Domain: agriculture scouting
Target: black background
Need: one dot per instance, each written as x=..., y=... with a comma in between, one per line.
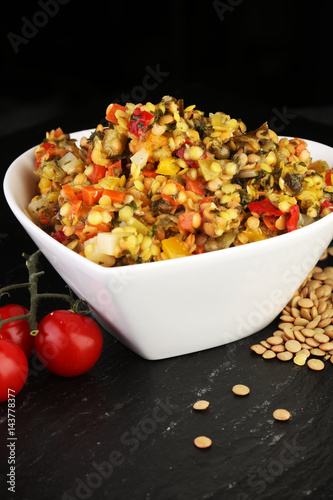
x=251, y=59
x=243, y=57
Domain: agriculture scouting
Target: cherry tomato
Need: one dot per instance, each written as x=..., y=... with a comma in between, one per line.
x=13, y=369
x=68, y=344
x=18, y=331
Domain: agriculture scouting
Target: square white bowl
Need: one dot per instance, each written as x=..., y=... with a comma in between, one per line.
x=170, y=308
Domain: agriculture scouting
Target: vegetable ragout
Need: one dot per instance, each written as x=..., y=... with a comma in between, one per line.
x=163, y=181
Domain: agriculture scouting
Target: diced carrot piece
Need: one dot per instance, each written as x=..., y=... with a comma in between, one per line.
x=185, y=220
x=91, y=194
x=111, y=112
x=69, y=192
x=116, y=196
x=149, y=173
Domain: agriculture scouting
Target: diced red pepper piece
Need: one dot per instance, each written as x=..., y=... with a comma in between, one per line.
x=190, y=163
x=111, y=114
x=291, y=223
x=269, y=221
x=328, y=178
x=326, y=204
x=197, y=186
x=199, y=249
x=98, y=173
x=111, y=168
x=264, y=207
x=139, y=121
x=59, y=236
x=48, y=147
x=91, y=194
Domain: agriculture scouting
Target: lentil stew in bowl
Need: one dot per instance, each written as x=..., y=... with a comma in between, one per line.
x=163, y=181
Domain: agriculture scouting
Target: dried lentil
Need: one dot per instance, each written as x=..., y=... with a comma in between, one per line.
x=269, y=354
x=240, y=390
x=300, y=359
x=284, y=356
x=315, y=364
x=201, y=405
x=293, y=346
x=258, y=349
x=281, y=414
x=202, y=442
x=306, y=327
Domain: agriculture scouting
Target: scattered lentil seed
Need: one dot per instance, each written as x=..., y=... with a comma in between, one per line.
x=315, y=364
x=305, y=351
x=258, y=349
x=202, y=442
x=293, y=346
x=321, y=338
x=284, y=356
x=312, y=342
x=307, y=332
x=327, y=346
x=287, y=318
x=201, y=405
x=281, y=414
x=278, y=348
x=240, y=390
x=299, y=336
x=274, y=340
x=300, y=359
x=305, y=303
x=301, y=321
x=306, y=323
x=316, y=351
x=269, y=354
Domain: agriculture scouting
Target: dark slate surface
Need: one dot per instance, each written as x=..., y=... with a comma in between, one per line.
x=125, y=429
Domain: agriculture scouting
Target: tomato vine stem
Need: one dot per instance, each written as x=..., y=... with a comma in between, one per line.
x=77, y=305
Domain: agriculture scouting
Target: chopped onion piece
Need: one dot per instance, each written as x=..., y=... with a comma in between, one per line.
x=140, y=157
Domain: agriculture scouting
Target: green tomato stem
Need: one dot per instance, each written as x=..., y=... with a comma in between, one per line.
x=32, y=286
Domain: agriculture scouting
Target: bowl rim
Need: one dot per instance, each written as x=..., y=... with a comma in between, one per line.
x=24, y=219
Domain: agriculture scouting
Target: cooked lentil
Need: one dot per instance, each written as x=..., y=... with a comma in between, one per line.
x=162, y=182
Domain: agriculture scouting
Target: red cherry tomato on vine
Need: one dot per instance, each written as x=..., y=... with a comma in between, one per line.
x=13, y=369
x=68, y=344
x=18, y=331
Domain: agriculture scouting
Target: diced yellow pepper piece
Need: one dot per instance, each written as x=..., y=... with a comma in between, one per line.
x=255, y=234
x=168, y=166
x=141, y=228
x=208, y=173
x=173, y=248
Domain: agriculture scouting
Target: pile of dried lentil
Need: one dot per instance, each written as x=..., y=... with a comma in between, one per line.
x=305, y=333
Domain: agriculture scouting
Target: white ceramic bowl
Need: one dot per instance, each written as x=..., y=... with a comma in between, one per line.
x=169, y=308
